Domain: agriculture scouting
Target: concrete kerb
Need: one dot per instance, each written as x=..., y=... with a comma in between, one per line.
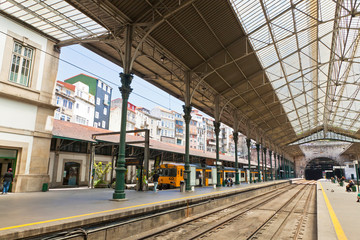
x=106, y=216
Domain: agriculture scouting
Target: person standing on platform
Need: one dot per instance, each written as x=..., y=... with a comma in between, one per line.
x=200, y=179
x=155, y=180
x=8, y=178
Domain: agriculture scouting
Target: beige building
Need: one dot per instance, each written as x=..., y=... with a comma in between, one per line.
x=29, y=63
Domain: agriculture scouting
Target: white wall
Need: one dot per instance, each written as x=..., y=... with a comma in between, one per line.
x=115, y=119
x=15, y=114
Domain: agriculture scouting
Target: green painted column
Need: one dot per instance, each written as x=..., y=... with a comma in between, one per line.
x=264, y=169
x=284, y=167
x=248, y=144
x=279, y=163
x=288, y=168
x=187, y=118
x=237, y=179
x=271, y=168
x=262, y=162
x=120, y=169
x=258, y=158
x=217, y=132
x=275, y=166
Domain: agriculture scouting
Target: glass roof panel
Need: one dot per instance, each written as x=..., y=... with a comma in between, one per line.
x=54, y=17
x=315, y=53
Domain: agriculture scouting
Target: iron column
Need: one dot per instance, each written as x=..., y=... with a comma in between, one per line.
x=120, y=169
x=279, y=167
x=217, y=132
x=237, y=182
x=271, y=168
x=258, y=158
x=357, y=173
x=265, y=164
x=248, y=142
x=187, y=118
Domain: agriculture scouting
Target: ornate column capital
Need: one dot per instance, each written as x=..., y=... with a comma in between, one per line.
x=217, y=127
x=236, y=136
x=187, y=113
x=264, y=149
x=248, y=142
x=125, y=88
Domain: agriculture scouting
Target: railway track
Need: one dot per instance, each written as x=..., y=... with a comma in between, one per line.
x=247, y=219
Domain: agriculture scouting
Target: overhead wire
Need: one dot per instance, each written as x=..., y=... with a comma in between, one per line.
x=94, y=74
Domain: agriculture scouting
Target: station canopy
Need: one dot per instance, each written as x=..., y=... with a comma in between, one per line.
x=288, y=68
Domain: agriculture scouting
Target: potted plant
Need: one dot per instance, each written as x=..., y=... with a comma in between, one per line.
x=101, y=172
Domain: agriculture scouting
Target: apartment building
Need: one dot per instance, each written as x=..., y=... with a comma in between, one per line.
x=167, y=133
x=115, y=115
x=144, y=120
x=102, y=94
x=84, y=105
x=179, y=129
x=65, y=100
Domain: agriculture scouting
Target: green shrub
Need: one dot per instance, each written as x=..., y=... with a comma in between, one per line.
x=101, y=173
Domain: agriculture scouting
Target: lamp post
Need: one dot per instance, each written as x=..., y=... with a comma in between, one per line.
x=357, y=175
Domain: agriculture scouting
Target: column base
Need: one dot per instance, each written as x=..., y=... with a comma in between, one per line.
x=117, y=196
x=30, y=182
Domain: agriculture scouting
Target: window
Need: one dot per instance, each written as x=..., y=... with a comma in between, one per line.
x=65, y=102
x=99, y=84
x=106, y=99
x=105, y=111
x=97, y=101
x=68, y=119
x=62, y=118
x=21, y=64
x=70, y=105
x=88, y=109
x=67, y=92
x=77, y=106
x=104, y=87
x=81, y=120
x=103, y=124
x=96, y=114
x=109, y=90
x=58, y=100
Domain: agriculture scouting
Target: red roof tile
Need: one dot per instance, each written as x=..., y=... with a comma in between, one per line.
x=67, y=85
x=70, y=130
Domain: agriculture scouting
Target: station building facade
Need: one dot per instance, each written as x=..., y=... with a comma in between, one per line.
x=29, y=63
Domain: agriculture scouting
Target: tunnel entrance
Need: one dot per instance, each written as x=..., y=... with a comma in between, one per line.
x=319, y=167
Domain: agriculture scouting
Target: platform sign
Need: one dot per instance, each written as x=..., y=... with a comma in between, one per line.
x=192, y=175
x=214, y=176
x=338, y=167
x=246, y=166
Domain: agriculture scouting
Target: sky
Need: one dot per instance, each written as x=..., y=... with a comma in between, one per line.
x=77, y=59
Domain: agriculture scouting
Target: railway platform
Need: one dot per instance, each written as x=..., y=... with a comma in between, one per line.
x=337, y=212
x=31, y=214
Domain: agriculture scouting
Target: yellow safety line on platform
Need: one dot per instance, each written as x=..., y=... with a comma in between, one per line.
x=338, y=229
x=106, y=211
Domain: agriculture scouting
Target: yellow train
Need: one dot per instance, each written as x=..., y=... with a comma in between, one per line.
x=172, y=174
